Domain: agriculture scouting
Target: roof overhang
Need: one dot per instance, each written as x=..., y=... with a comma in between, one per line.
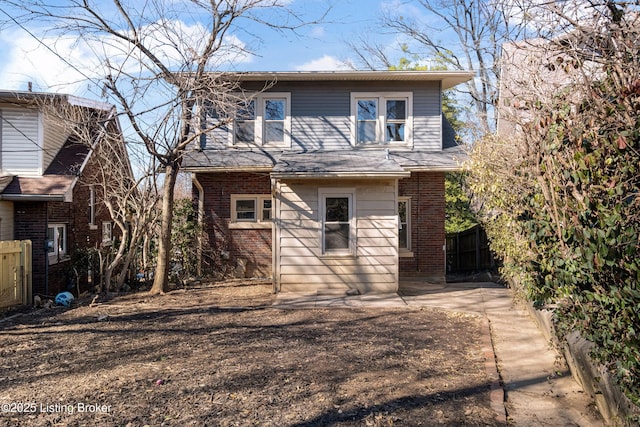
x=340, y=175
x=30, y=97
x=204, y=169
x=34, y=197
x=449, y=79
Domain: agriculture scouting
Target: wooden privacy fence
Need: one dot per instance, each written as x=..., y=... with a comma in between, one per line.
x=15, y=273
x=469, y=251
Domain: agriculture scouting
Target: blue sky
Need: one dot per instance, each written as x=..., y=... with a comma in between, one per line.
x=316, y=47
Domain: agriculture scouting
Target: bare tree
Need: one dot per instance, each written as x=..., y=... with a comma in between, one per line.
x=130, y=201
x=465, y=35
x=160, y=62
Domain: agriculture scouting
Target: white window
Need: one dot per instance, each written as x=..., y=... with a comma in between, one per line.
x=245, y=122
x=107, y=232
x=251, y=208
x=92, y=207
x=381, y=118
x=264, y=120
x=404, y=223
x=337, y=231
x=56, y=242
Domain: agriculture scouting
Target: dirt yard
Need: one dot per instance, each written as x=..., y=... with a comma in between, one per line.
x=219, y=355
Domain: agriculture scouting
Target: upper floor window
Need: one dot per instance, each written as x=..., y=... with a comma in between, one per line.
x=264, y=120
x=245, y=122
x=381, y=118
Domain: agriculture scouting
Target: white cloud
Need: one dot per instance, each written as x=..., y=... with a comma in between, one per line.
x=325, y=63
x=67, y=64
x=317, y=31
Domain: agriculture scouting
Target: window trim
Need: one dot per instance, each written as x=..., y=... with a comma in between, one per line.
x=259, y=221
x=405, y=251
x=323, y=194
x=56, y=256
x=381, y=119
x=260, y=121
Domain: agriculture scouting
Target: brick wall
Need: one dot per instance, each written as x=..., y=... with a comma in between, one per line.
x=427, y=222
x=30, y=223
x=426, y=190
x=252, y=245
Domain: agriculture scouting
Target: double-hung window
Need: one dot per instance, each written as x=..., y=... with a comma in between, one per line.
x=381, y=118
x=56, y=242
x=248, y=208
x=245, y=122
x=337, y=231
x=404, y=224
x=263, y=120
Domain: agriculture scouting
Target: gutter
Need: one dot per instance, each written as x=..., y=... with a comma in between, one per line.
x=353, y=175
x=434, y=168
x=200, y=188
x=33, y=197
x=206, y=169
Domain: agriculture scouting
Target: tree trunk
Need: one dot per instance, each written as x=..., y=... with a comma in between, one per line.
x=133, y=243
x=161, y=277
x=115, y=263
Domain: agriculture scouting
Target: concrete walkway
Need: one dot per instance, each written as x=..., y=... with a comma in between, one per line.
x=537, y=388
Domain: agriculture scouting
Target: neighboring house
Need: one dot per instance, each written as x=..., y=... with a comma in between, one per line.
x=46, y=191
x=331, y=180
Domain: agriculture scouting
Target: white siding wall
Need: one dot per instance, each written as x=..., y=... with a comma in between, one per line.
x=300, y=264
x=21, y=142
x=6, y=220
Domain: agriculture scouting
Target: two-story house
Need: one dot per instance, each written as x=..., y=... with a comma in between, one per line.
x=331, y=180
x=46, y=192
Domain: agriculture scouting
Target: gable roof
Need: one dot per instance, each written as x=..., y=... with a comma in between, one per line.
x=57, y=181
x=61, y=175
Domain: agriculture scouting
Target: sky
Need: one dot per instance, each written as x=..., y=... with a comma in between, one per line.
x=318, y=47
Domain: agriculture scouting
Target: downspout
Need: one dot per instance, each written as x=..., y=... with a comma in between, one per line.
x=198, y=185
x=275, y=236
x=46, y=248
x=397, y=227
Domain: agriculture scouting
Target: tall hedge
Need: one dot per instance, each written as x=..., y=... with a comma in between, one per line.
x=561, y=191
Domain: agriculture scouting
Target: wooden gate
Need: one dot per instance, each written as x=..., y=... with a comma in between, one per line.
x=15, y=273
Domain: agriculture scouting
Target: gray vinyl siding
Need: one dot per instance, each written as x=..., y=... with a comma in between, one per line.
x=21, y=142
x=427, y=120
x=301, y=266
x=320, y=119
x=320, y=113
